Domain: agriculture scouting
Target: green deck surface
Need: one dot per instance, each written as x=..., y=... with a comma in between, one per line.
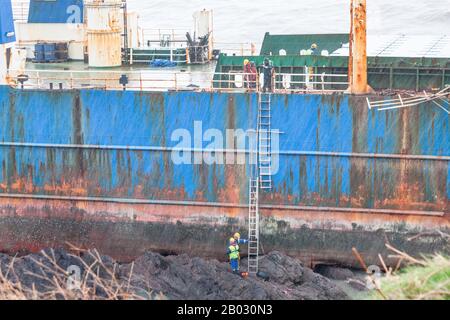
x=293, y=44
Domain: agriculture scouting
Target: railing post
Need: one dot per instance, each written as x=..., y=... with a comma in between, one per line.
x=188, y=59
x=391, y=78
x=258, y=82
x=323, y=81
x=417, y=79
x=443, y=78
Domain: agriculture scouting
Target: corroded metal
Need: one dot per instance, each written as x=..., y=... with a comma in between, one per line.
x=358, y=49
x=348, y=175
x=104, y=33
x=125, y=232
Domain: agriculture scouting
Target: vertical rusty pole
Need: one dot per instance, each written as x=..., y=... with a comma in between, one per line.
x=350, y=43
x=357, y=70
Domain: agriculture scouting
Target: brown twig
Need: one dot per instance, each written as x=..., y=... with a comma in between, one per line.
x=360, y=259
x=430, y=234
x=53, y=281
x=363, y=264
x=386, y=270
x=405, y=255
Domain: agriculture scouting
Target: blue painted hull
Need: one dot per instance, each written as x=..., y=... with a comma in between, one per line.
x=109, y=154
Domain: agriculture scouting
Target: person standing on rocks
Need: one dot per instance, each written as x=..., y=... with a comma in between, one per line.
x=233, y=254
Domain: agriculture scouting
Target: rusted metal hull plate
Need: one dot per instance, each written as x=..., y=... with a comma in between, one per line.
x=109, y=155
x=126, y=231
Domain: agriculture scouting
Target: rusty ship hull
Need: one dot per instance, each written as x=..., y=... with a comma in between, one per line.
x=93, y=169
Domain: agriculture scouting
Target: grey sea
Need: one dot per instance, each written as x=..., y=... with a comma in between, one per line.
x=247, y=21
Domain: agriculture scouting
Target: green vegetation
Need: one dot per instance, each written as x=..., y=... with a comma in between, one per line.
x=426, y=280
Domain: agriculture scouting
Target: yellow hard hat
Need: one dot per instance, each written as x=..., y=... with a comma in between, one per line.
x=314, y=46
x=232, y=241
x=237, y=235
x=246, y=62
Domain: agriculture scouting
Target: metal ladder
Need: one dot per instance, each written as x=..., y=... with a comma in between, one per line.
x=253, y=232
x=261, y=177
x=265, y=141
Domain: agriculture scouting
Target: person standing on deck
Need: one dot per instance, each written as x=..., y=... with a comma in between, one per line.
x=314, y=49
x=247, y=71
x=268, y=71
x=253, y=75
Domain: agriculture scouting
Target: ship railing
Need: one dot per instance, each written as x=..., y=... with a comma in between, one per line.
x=284, y=82
x=238, y=48
x=168, y=37
x=173, y=55
x=176, y=38
x=20, y=10
x=157, y=80
x=311, y=82
x=147, y=80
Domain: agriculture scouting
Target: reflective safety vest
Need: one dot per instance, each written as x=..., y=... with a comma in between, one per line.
x=234, y=252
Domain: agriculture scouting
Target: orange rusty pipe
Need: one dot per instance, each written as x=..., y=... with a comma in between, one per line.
x=358, y=49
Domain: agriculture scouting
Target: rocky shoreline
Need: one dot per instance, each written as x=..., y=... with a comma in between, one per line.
x=46, y=275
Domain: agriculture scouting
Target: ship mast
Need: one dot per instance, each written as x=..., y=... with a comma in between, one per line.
x=357, y=65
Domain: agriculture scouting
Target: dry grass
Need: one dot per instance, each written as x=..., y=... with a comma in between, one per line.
x=425, y=279
x=50, y=282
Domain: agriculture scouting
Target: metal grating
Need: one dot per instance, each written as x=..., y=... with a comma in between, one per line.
x=405, y=46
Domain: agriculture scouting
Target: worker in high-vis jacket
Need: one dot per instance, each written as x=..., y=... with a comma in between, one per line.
x=239, y=240
x=233, y=254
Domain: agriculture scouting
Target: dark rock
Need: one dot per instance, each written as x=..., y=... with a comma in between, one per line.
x=180, y=277
x=318, y=287
x=282, y=269
x=263, y=275
x=335, y=273
x=185, y=278
x=357, y=284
